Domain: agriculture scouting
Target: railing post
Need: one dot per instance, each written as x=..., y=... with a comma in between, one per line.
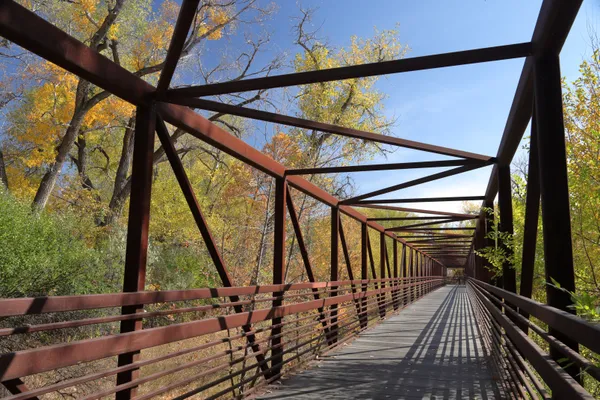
x=554, y=190
x=412, y=275
x=429, y=274
x=278, y=272
x=382, y=251
x=396, y=276
x=419, y=266
x=137, y=233
x=417, y=276
x=404, y=276
x=509, y=278
x=335, y=234
x=425, y=272
x=363, y=273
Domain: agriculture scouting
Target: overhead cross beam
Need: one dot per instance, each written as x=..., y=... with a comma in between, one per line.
x=440, y=239
x=382, y=167
x=443, y=221
x=418, y=218
x=329, y=128
x=419, y=181
x=414, y=210
x=422, y=200
x=402, y=228
x=359, y=71
x=186, y=16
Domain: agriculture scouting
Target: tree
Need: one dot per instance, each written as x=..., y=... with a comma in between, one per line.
x=133, y=35
x=582, y=125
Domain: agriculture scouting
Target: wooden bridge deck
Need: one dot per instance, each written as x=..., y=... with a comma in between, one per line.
x=432, y=349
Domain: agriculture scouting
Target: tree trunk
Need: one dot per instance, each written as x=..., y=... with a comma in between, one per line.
x=49, y=179
x=3, y=176
x=82, y=162
x=82, y=105
x=122, y=186
x=265, y=230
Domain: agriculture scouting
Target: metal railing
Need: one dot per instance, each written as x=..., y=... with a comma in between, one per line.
x=516, y=332
x=68, y=344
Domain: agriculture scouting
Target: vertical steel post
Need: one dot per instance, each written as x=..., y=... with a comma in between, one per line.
x=423, y=273
x=412, y=276
x=554, y=190
x=417, y=276
x=532, y=211
x=278, y=272
x=476, y=246
x=429, y=274
x=364, y=275
x=489, y=242
x=335, y=234
x=419, y=266
x=404, y=276
x=137, y=233
x=509, y=278
x=396, y=276
x=382, y=251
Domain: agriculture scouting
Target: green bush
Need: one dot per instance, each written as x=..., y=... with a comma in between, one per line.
x=41, y=254
x=176, y=267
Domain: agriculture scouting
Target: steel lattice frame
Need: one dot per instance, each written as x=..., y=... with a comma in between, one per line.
x=430, y=253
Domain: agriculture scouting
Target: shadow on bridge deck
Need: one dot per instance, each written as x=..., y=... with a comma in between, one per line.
x=431, y=349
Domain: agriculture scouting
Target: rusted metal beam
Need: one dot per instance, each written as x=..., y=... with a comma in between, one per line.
x=360, y=71
x=17, y=386
x=374, y=276
x=299, y=237
x=442, y=221
x=186, y=16
x=413, y=210
x=364, y=274
x=346, y=253
x=423, y=200
x=435, y=238
x=138, y=223
x=532, y=211
x=554, y=190
x=33, y=361
x=194, y=206
x=382, y=167
x=414, y=182
x=551, y=30
x=561, y=384
x=329, y=128
x=382, y=254
x=433, y=247
x=419, y=218
x=509, y=276
x=37, y=35
x=401, y=228
x=304, y=253
x=278, y=272
x=450, y=251
x=396, y=272
x=334, y=272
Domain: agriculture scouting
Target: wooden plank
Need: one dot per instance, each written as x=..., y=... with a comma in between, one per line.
x=431, y=349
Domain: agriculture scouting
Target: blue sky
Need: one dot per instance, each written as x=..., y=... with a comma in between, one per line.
x=461, y=107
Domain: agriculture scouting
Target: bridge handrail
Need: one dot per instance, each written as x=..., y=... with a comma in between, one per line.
x=321, y=315
x=505, y=317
